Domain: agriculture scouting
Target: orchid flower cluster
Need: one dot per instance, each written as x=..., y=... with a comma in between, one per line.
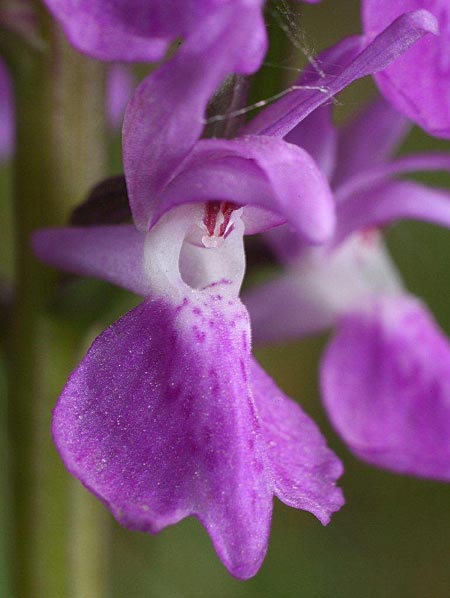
x=169, y=415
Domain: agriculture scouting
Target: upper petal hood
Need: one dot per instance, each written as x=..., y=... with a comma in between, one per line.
x=165, y=116
x=258, y=172
x=385, y=381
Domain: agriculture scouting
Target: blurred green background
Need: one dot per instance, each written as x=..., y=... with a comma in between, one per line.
x=393, y=536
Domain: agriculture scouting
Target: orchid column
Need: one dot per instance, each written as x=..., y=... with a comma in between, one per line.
x=60, y=153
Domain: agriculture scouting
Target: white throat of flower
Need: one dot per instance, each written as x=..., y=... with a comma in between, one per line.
x=179, y=260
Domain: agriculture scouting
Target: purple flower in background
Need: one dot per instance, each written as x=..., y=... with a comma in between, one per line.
x=418, y=83
x=143, y=30
x=168, y=415
x=120, y=85
x=385, y=375
x=6, y=113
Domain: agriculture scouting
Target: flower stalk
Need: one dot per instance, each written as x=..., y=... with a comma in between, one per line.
x=60, y=153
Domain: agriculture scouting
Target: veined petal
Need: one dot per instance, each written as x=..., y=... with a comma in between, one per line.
x=304, y=469
x=318, y=287
x=385, y=381
x=165, y=116
x=114, y=253
x=371, y=138
x=400, y=200
x=7, y=127
x=418, y=82
x=346, y=62
x=158, y=421
x=257, y=172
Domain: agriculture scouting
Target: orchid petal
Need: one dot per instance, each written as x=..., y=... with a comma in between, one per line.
x=120, y=86
x=388, y=203
x=142, y=30
x=318, y=287
x=413, y=163
x=114, y=30
x=256, y=171
x=165, y=116
x=158, y=421
x=317, y=135
x=114, y=253
x=416, y=83
x=346, y=62
x=6, y=113
x=371, y=138
x=304, y=469
x=386, y=385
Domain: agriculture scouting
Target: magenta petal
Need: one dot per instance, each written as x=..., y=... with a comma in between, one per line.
x=6, y=113
x=418, y=82
x=158, y=421
x=114, y=253
x=165, y=116
x=119, y=89
x=304, y=469
x=386, y=385
x=118, y=30
x=286, y=307
x=317, y=135
x=382, y=173
x=257, y=172
x=388, y=203
x=142, y=30
x=372, y=137
x=346, y=62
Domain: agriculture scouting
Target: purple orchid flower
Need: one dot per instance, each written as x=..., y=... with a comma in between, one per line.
x=385, y=376
x=418, y=84
x=168, y=415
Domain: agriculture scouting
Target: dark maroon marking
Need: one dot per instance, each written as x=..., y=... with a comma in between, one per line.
x=212, y=210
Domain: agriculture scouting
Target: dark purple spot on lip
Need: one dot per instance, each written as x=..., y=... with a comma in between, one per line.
x=212, y=323
x=197, y=311
x=259, y=467
x=183, y=304
x=199, y=334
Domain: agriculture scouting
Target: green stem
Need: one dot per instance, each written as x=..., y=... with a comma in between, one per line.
x=60, y=153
